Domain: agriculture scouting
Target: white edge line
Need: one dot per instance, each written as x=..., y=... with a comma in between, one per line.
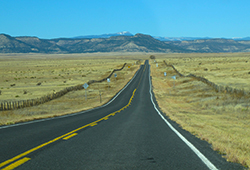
x=190, y=145
x=73, y=114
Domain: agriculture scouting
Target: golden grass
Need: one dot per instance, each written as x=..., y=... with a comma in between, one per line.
x=221, y=119
x=222, y=69
x=20, y=76
x=74, y=69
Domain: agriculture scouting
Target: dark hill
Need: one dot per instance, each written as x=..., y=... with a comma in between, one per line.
x=9, y=44
x=136, y=43
x=42, y=46
x=213, y=45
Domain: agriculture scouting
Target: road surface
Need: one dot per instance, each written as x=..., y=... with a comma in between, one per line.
x=129, y=133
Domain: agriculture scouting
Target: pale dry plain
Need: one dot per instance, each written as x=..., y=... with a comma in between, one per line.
x=219, y=118
x=30, y=76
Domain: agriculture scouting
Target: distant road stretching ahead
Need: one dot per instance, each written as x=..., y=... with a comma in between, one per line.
x=129, y=132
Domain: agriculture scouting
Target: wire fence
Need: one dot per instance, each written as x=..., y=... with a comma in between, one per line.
x=217, y=88
x=10, y=105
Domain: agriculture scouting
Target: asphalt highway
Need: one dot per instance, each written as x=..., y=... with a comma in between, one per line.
x=127, y=133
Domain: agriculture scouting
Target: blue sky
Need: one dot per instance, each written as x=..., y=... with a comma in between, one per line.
x=168, y=18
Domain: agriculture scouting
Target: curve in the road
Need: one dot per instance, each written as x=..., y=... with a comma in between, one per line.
x=190, y=145
x=132, y=139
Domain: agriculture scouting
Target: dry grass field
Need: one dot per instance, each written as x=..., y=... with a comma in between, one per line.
x=30, y=76
x=220, y=118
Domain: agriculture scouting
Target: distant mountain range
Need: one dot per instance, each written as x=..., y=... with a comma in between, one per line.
x=126, y=33
x=197, y=38
x=121, y=42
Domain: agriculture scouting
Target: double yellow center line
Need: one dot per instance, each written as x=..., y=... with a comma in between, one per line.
x=65, y=137
x=20, y=159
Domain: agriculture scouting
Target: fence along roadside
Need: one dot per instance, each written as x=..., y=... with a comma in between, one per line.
x=11, y=105
x=218, y=88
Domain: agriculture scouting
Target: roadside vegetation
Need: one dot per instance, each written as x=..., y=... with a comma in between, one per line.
x=221, y=118
x=33, y=76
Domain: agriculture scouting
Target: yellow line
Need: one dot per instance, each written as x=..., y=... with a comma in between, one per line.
x=70, y=136
x=93, y=124
x=144, y=68
x=16, y=164
x=63, y=136
x=106, y=117
x=140, y=78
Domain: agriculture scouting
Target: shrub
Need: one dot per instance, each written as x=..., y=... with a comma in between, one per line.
x=152, y=57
